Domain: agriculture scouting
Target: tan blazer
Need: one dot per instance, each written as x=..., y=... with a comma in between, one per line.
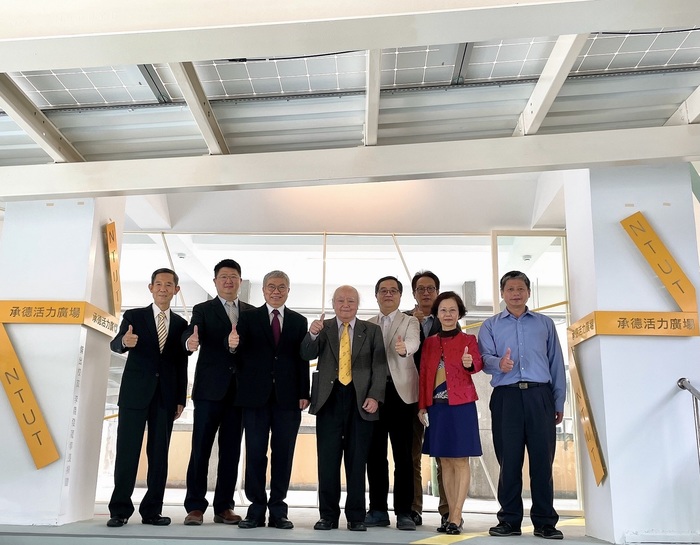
x=402, y=369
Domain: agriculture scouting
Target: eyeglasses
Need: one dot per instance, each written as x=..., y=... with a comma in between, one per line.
x=227, y=277
x=390, y=291
x=423, y=289
x=272, y=288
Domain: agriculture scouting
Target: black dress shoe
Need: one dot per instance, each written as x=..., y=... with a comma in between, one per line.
x=326, y=524
x=251, y=523
x=417, y=518
x=443, y=524
x=357, y=526
x=548, y=532
x=283, y=523
x=505, y=529
x=158, y=520
x=453, y=530
x=405, y=522
x=117, y=522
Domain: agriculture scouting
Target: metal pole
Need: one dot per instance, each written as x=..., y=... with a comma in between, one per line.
x=684, y=384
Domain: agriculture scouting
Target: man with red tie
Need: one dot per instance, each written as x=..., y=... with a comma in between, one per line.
x=273, y=390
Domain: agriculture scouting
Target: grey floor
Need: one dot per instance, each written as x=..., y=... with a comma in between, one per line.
x=95, y=531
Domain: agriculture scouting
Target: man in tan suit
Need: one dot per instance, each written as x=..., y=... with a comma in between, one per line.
x=401, y=336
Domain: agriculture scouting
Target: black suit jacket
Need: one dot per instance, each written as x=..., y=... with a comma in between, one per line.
x=146, y=366
x=215, y=364
x=369, y=367
x=262, y=366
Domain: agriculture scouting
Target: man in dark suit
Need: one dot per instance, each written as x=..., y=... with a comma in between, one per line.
x=154, y=391
x=426, y=287
x=273, y=389
x=347, y=388
x=213, y=394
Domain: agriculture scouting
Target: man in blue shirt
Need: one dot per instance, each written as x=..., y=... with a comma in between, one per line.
x=521, y=352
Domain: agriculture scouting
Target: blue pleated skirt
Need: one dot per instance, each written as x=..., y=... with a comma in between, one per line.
x=453, y=431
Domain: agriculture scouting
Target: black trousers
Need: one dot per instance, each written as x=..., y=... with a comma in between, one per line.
x=396, y=424
x=130, y=430
x=211, y=417
x=277, y=427
x=524, y=419
x=342, y=434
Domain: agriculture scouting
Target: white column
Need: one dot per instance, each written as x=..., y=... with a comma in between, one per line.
x=644, y=422
x=56, y=251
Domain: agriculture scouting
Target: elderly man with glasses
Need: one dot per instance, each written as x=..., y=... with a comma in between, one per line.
x=273, y=390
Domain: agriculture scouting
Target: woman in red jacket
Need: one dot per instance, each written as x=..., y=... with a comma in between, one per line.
x=447, y=402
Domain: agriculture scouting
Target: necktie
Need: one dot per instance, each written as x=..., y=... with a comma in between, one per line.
x=345, y=357
x=231, y=312
x=427, y=324
x=386, y=325
x=276, y=329
x=162, y=332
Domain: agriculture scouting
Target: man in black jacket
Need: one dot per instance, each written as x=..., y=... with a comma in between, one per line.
x=213, y=394
x=273, y=390
x=153, y=390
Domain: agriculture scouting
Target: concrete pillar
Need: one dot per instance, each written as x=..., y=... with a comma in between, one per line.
x=56, y=251
x=645, y=423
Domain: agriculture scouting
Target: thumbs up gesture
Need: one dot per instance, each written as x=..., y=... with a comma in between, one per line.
x=130, y=339
x=506, y=364
x=467, y=359
x=233, y=338
x=193, y=341
x=317, y=325
x=400, y=346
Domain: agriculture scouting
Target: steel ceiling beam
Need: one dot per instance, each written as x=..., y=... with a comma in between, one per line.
x=354, y=165
x=32, y=121
x=373, y=85
x=688, y=111
x=193, y=92
x=565, y=52
x=56, y=35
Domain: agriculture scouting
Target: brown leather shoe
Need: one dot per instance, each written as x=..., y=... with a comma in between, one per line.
x=194, y=518
x=227, y=517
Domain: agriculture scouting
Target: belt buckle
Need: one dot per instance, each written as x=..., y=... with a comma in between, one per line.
x=523, y=385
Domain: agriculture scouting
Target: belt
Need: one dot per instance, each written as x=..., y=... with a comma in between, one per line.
x=526, y=385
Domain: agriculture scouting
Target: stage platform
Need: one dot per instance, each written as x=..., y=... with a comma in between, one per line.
x=479, y=515
x=95, y=532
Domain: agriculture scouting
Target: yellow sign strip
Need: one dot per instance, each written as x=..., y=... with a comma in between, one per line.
x=589, y=432
x=634, y=323
x=42, y=312
x=19, y=392
x=58, y=312
x=661, y=261
x=100, y=320
x=113, y=263
x=29, y=417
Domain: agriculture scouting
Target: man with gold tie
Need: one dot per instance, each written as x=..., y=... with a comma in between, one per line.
x=346, y=391
x=153, y=392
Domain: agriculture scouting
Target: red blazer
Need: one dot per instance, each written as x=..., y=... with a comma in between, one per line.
x=460, y=387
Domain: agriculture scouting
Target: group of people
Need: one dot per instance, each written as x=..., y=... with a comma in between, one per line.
x=403, y=378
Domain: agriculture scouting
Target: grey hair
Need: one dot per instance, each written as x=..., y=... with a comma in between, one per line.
x=276, y=274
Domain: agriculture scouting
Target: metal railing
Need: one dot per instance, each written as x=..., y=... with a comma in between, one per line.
x=684, y=384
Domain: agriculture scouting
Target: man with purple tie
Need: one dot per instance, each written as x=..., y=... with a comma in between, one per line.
x=273, y=390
